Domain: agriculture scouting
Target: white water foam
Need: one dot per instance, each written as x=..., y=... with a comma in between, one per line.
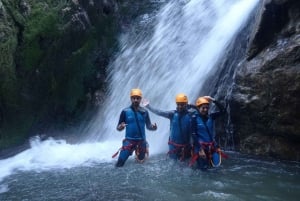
x=219, y=195
x=58, y=154
x=52, y=154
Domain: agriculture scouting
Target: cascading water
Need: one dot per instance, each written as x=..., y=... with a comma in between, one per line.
x=188, y=39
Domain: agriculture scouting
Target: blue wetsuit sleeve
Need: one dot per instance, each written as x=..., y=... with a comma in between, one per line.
x=148, y=122
x=166, y=114
x=221, y=111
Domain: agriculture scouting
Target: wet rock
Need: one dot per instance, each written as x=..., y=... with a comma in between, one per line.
x=265, y=98
x=273, y=17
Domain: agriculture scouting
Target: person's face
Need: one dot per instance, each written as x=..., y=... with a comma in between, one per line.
x=136, y=100
x=203, y=109
x=181, y=107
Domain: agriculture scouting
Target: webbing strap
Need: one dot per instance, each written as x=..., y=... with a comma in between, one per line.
x=193, y=159
x=177, y=145
x=128, y=147
x=178, y=148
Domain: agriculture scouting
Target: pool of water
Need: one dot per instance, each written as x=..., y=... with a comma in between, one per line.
x=239, y=178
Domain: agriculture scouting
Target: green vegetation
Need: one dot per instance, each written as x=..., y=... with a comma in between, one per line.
x=47, y=65
x=41, y=27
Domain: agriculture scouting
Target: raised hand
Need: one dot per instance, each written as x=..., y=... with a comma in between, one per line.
x=145, y=102
x=154, y=126
x=209, y=98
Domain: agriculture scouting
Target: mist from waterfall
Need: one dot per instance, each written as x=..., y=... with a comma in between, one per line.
x=187, y=39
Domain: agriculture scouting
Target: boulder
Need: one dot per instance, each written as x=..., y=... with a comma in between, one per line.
x=265, y=97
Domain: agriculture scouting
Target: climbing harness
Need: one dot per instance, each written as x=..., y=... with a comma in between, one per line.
x=181, y=150
x=136, y=146
x=209, y=150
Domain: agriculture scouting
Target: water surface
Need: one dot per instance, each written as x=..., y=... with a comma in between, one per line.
x=240, y=178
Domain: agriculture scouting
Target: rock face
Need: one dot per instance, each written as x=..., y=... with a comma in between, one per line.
x=265, y=97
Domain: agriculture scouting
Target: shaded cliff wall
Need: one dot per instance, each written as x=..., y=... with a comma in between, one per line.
x=266, y=92
x=53, y=57
x=259, y=83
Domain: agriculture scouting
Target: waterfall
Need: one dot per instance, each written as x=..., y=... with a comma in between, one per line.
x=183, y=44
x=188, y=39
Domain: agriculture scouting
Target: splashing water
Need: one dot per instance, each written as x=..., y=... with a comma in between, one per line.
x=188, y=39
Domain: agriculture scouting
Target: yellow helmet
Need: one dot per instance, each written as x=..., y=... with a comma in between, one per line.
x=136, y=92
x=181, y=98
x=201, y=101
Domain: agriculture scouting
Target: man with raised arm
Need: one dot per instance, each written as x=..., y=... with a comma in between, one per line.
x=206, y=152
x=180, y=127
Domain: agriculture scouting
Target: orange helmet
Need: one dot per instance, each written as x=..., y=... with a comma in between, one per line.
x=181, y=98
x=201, y=101
x=136, y=92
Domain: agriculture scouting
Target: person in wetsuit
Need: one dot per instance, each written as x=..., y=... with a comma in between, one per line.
x=134, y=119
x=180, y=127
x=206, y=152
